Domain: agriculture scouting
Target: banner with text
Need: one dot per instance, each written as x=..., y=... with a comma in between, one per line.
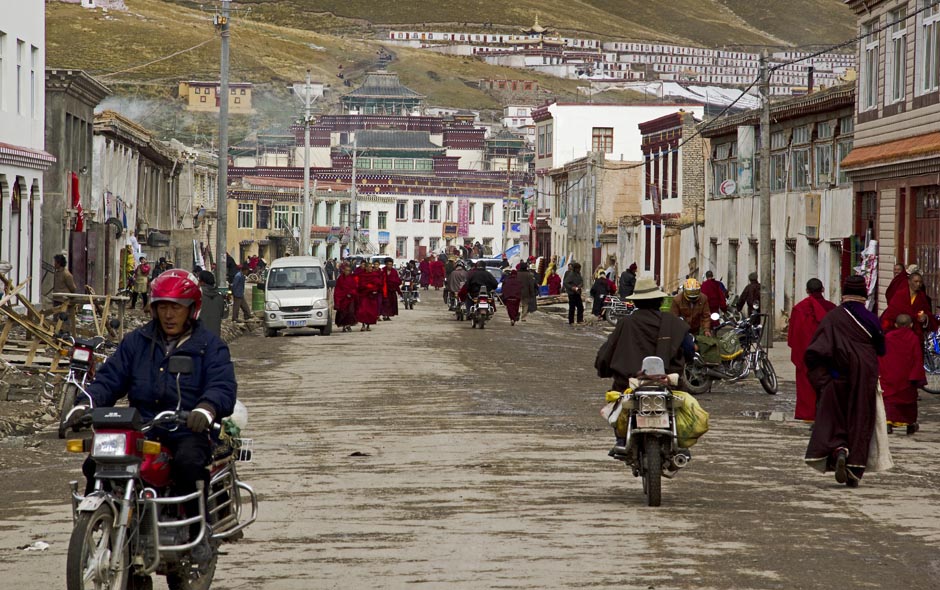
x=463, y=217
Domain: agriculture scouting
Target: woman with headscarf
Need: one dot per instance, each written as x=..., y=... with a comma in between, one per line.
x=512, y=295
x=391, y=289
x=370, y=292
x=345, y=296
x=599, y=290
x=141, y=283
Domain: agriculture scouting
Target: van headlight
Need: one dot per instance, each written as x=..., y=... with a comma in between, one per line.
x=320, y=304
x=109, y=444
x=271, y=306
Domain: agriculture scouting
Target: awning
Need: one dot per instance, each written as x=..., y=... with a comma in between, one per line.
x=246, y=242
x=909, y=148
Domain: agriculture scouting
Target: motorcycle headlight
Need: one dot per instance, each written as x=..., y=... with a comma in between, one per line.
x=320, y=304
x=651, y=403
x=110, y=444
x=81, y=355
x=271, y=306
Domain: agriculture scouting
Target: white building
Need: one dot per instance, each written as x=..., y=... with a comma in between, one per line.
x=22, y=129
x=517, y=116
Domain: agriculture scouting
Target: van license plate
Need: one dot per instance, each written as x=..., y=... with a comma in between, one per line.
x=661, y=421
x=296, y=323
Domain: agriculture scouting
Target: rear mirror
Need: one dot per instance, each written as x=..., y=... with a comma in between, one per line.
x=715, y=317
x=114, y=323
x=180, y=365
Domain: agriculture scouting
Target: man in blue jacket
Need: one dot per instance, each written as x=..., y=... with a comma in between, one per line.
x=139, y=369
x=238, y=295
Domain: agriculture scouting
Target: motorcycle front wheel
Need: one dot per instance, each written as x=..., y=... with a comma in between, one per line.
x=88, y=561
x=612, y=318
x=769, y=379
x=191, y=576
x=652, y=462
x=932, y=368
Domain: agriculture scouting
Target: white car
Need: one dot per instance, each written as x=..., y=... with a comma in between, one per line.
x=296, y=296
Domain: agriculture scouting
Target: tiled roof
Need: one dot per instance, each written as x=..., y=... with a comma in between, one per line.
x=395, y=140
x=893, y=151
x=383, y=85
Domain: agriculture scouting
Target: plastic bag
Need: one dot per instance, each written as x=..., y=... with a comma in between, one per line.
x=691, y=419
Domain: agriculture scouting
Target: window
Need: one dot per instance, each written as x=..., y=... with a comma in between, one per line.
x=548, y=140
x=382, y=163
x=895, y=62
x=472, y=212
x=800, y=168
x=20, y=52
x=344, y=219
x=238, y=101
x=364, y=218
x=541, y=141
x=868, y=85
x=3, y=42
x=449, y=208
x=243, y=92
x=778, y=172
x=33, y=92
x=778, y=140
x=433, y=244
x=401, y=246
x=823, y=166
x=264, y=216
x=842, y=150
x=296, y=213
x=363, y=163
x=233, y=92
x=424, y=164
x=928, y=47
x=824, y=130
x=401, y=211
x=488, y=246
x=801, y=134
x=329, y=214
x=281, y=214
x=404, y=164
x=417, y=211
x=488, y=213
x=202, y=99
x=602, y=139
x=246, y=216
x=846, y=125
x=434, y=211
x=383, y=220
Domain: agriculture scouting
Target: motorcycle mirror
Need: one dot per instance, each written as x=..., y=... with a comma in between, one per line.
x=715, y=317
x=756, y=305
x=180, y=365
x=115, y=323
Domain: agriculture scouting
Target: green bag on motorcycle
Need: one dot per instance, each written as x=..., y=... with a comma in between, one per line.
x=691, y=419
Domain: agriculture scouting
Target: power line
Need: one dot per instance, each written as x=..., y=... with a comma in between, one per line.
x=159, y=59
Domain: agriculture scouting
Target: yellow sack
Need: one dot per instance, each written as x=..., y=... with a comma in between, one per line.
x=691, y=419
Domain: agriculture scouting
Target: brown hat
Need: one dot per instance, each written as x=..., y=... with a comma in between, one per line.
x=646, y=288
x=855, y=286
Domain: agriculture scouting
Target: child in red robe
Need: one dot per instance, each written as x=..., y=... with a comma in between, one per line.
x=902, y=372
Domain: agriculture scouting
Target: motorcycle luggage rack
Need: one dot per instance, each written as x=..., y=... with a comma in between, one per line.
x=225, y=493
x=243, y=448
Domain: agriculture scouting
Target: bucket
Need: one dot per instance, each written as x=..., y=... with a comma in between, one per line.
x=543, y=290
x=257, y=299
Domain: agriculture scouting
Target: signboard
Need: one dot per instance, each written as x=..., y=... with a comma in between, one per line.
x=727, y=187
x=657, y=202
x=811, y=203
x=463, y=217
x=745, y=169
x=449, y=231
x=383, y=237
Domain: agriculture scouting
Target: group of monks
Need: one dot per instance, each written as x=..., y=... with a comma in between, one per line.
x=365, y=293
x=905, y=323
x=433, y=272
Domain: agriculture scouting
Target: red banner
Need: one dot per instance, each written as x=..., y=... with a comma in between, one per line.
x=77, y=205
x=463, y=217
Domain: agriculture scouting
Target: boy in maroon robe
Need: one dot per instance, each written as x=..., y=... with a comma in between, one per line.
x=370, y=291
x=391, y=289
x=804, y=319
x=512, y=295
x=438, y=273
x=902, y=372
x=345, y=295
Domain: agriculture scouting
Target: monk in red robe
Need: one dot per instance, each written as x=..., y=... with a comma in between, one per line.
x=897, y=283
x=391, y=289
x=911, y=301
x=370, y=292
x=804, y=319
x=425, y=268
x=512, y=295
x=345, y=296
x=902, y=372
x=438, y=273
x=554, y=283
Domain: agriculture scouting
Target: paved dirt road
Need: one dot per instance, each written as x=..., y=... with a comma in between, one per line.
x=483, y=465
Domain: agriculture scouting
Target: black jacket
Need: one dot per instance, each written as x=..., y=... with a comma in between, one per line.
x=213, y=310
x=481, y=278
x=627, y=283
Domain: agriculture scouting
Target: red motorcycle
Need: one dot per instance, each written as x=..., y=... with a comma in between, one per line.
x=129, y=527
x=82, y=366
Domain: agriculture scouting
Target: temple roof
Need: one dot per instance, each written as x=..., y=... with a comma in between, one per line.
x=382, y=84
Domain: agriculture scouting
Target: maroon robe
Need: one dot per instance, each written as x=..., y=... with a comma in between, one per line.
x=438, y=273
x=902, y=372
x=901, y=303
x=390, y=292
x=554, y=284
x=370, y=292
x=842, y=363
x=512, y=294
x=900, y=281
x=345, y=295
x=425, y=268
x=804, y=319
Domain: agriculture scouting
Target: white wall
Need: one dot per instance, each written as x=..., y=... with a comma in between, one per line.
x=24, y=21
x=469, y=159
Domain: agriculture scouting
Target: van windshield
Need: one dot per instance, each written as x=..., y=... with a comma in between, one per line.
x=295, y=277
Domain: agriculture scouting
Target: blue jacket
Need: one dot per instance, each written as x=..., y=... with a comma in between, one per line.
x=238, y=285
x=137, y=369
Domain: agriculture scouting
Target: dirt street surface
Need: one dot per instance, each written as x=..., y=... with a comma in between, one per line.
x=427, y=454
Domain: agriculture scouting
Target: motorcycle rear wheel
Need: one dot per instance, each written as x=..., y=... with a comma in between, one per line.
x=89, y=554
x=696, y=379
x=769, y=380
x=612, y=318
x=192, y=577
x=652, y=464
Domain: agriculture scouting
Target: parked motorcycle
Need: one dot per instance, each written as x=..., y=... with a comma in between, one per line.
x=616, y=308
x=129, y=527
x=82, y=366
x=651, y=448
x=408, y=294
x=452, y=303
x=740, y=352
x=932, y=363
x=481, y=310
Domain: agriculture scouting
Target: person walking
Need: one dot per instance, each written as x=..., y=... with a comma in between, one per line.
x=804, y=319
x=599, y=290
x=391, y=290
x=842, y=366
x=345, y=296
x=159, y=269
x=369, y=291
x=424, y=267
x=141, y=283
x=902, y=372
x=512, y=295
x=530, y=292
x=627, y=281
x=574, y=284
x=238, y=295
x=213, y=304
x=750, y=295
x=716, y=294
x=62, y=279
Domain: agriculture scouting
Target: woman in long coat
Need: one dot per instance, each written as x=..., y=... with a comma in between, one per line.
x=391, y=289
x=345, y=296
x=370, y=292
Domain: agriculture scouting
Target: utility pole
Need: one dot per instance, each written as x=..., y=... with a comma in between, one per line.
x=354, y=203
x=509, y=204
x=305, y=218
x=766, y=303
x=221, y=259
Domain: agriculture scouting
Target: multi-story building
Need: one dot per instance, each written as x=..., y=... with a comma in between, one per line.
x=896, y=160
x=382, y=93
x=22, y=157
x=812, y=230
x=204, y=96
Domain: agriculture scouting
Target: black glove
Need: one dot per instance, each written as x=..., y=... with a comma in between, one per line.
x=201, y=418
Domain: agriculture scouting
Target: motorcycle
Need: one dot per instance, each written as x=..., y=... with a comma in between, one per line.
x=932, y=363
x=616, y=308
x=452, y=304
x=481, y=310
x=82, y=366
x=740, y=353
x=408, y=294
x=129, y=528
x=651, y=448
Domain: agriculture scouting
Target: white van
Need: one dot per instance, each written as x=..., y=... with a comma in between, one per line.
x=296, y=296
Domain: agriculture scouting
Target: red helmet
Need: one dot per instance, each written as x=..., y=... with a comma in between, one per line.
x=178, y=286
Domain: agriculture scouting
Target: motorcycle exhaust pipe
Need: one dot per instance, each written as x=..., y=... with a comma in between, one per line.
x=680, y=460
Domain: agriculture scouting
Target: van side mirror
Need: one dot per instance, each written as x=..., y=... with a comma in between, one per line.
x=180, y=365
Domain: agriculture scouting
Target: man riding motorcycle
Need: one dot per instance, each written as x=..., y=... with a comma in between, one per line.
x=647, y=332
x=457, y=278
x=138, y=369
x=692, y=306
x=478, y=278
